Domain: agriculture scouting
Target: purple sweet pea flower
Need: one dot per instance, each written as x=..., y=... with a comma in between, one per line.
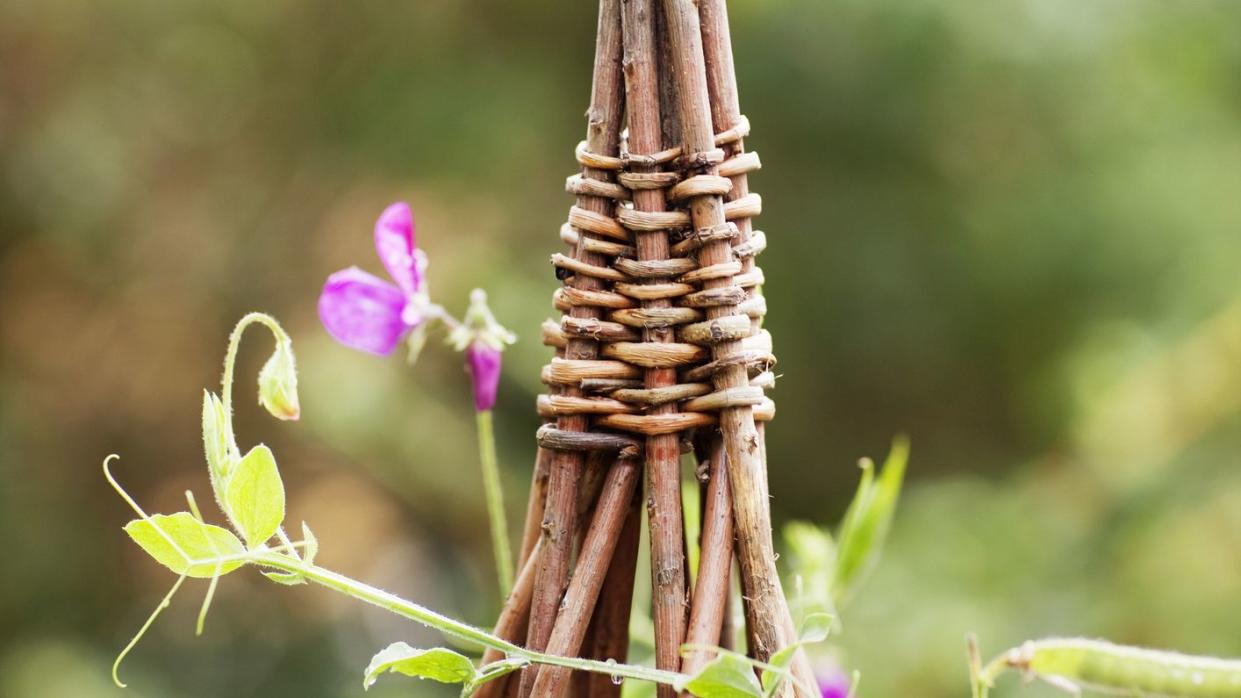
x=483, y=362
x=365, y=312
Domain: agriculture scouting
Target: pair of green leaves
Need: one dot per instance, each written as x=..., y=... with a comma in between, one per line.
x=253, y=498
x=249, y=488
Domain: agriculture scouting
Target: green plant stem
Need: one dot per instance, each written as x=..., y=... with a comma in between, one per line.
x=230, y=359
x=226, y=384
x=495, y=501
x=421, y=614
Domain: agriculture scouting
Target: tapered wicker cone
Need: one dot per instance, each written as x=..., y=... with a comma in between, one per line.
x=659, y=349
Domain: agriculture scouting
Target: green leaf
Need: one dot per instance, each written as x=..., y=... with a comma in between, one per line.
x=255, y=496
x=868, y=519
x=215, y=438
x=811, y=561
x=437, y=664
x=781, y=660
x=726, y=676
x=815, y=628
x=197, y=540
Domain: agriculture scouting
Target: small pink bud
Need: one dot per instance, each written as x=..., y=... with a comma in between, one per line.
x=483, y=362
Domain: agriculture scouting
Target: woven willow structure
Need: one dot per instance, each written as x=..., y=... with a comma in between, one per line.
x=659, y=350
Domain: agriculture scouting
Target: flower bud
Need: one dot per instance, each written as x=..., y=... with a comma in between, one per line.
x=278, y=383
x=483, y=362
x=482, y=339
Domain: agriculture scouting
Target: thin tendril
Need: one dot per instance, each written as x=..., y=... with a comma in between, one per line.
x=167, y=601
x=107, y=473
x=215, y=576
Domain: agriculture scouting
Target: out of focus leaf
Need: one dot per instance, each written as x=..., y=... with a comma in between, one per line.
x=868, y=519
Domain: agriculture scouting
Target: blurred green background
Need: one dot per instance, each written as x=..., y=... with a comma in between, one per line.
x=1009, y=229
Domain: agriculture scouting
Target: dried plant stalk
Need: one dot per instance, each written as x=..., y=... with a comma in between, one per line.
x=611, y=638
x=663, y=452
x=602, y=138
x=711, y=590
x=594, y=560
x=768, y=610
x=726, y=114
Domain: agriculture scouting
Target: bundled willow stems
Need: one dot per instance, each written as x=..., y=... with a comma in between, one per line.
x=659, y=351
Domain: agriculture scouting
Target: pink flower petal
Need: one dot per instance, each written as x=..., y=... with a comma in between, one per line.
x=363, y=311
x=394, y=241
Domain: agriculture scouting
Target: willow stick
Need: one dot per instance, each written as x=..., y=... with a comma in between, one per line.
x=515, y=614
x=592, y=566
x=726, y=114
x=611, y=639
x=602, y=138
x=752, y=515
x=663, y=452
x=711, y=590
x=534, y=506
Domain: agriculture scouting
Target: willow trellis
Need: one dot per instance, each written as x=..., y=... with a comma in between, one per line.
x=660, y=349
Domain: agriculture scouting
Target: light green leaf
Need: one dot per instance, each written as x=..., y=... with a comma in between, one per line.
x=868, y=519
x=312, y=545
x=255, y=496
x=437, y=664
x=201, y=543
x=215, y=438
x=815, y=628
x=781, y=660
x=726, y=676
x=811, y=561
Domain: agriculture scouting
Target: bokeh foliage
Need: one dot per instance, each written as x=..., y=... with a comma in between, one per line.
x=1010, y=229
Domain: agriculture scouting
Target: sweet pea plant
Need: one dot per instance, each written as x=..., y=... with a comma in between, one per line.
x=374, y=315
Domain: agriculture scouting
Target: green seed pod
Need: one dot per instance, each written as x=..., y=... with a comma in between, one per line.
x=1075, y=663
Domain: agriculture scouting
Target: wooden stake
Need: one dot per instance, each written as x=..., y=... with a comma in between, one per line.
x=760, y=579
x=602, y=138
x=715, y=563
x=615, y=605
x=726, y=114
x=594, y=560
x=534, y=507
x=663, y=451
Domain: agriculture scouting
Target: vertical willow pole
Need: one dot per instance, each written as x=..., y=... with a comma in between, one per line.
x=768, y=612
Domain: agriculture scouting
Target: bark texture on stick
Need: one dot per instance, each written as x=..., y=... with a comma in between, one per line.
x=663, y=452
x=593, y=562
x=611, y=638
x=726, y=114
x=711, y=590
x=768, y=609
x=602, y=138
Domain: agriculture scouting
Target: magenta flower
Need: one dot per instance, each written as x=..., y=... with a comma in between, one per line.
x=482, y=339
x=483, y=362
x=365, y=312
